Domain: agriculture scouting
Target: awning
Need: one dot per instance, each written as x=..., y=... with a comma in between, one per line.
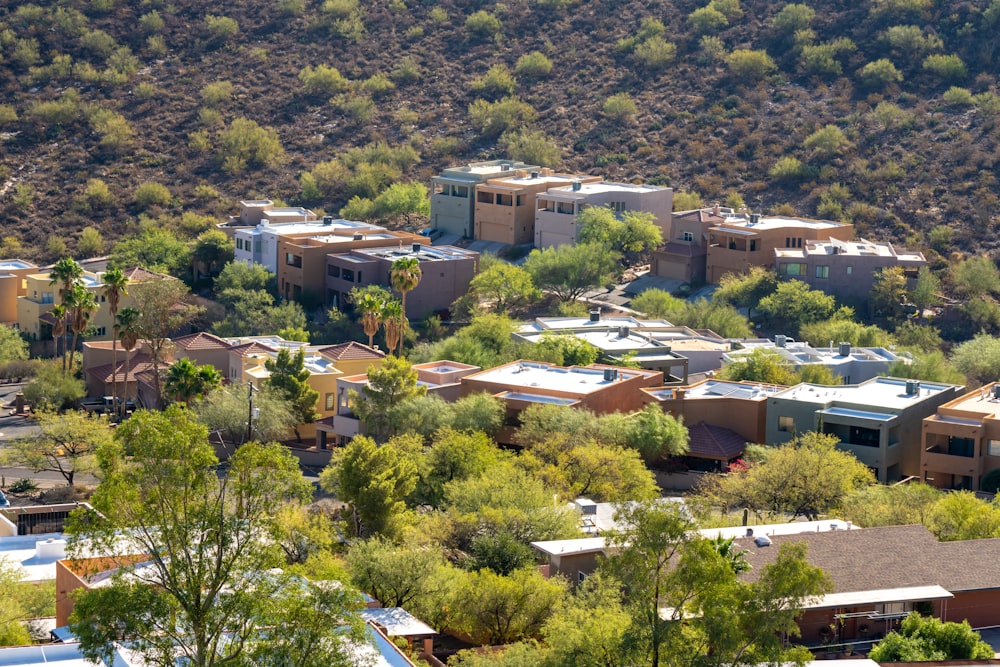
x=879, y=596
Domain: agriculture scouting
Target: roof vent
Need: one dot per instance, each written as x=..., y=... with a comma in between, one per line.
x=624, y=332
x=505, y=167
x=595, y=315
x=358, y=236
x=416, y=248
x=534, y=174
x=586, y=506
x=913, y=387
x=780, y=340
x=749, y=532
x=327, y=219
x=610, y=374
x=577, y=185
x=762, y=541
x=996, y=390
x=845, y=349
x=754, y=218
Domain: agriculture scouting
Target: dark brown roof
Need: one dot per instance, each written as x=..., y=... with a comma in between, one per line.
x=350, y=351
x=137, y=274
x=250, y=348
x=890, y=557
x=683, y=249
x=138, y=364
x=715, y=442
x=201, y=341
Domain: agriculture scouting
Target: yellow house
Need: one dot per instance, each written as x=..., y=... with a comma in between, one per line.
x=13, y=285
x=41, y=295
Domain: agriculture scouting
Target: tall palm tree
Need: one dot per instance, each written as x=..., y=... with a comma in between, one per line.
x=404, y=274
x=127, y=329
x=66, y=272
x=370, y=307
x=83, y=304
x=392, y=318
x=59, y=327
x=114, y=282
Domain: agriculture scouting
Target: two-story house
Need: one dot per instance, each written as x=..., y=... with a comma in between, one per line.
x=453, y=193
x=961, y=441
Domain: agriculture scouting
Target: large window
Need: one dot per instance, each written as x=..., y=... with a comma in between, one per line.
x=564, y=207
x=293, y=259
x=484, y=197
x=993, y=448
x=239, y=243
x=330, y=401
x=865, y=437
x=688, y=236
x=822, y=271
x=332, y=271
x=792, y=269
x=505, y=200
x=786, y=424
x=460, y=191
x=347, y=275
x=961, y=447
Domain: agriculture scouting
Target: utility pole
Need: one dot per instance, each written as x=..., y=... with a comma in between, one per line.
x=250, y=412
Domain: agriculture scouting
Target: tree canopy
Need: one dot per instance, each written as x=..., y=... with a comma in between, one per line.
x=568, y=271
x=922, y=639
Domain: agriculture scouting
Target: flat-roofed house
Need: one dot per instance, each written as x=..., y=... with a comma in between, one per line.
x=961, y=441
x=453, y=193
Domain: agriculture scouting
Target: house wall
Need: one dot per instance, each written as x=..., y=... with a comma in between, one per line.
x=943, y=470
x=555, y=215
x=13, y=284
x=747, y=418
x=452, y=205
x=980, y=608
x=850, y=277
x=570, y=566
x=514, y=222
x=555, y=222
x=723, y=259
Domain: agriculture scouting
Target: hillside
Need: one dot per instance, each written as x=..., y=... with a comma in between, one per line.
x=112, y=93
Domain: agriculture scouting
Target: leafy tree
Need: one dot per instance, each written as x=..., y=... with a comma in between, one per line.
x=90, y=243
x=619, y=108
x=494, y=118
x=721, y=318
x=225, y=411
x=978, y=359
x=793, y=17
x=392, y=383
x=931, y=365
x=52, y=389
x=879, y=74
x=485, y=342
x=505, y=285
x=922, y=337
x=213, y=250
x=541, y=421
x=749, y=64
x=923, y=638
x=605, y=473
x=404, y=274
x=289, y=377
x=496, y=609
x=819, y=374
x=687, y=201
x=888, y=293
x=239, y=276
x=841, y=330
x=12, y=346
x=745, y=290
x=563, y=350
x=66, y=443
x=154, y=249
x=374, y=480
x=760, y=365
x=657, y=303
x=569, y=271
x=806, y=477
x=527, y=653
x=478, y=412
x=394, y=575
x=896, y=505
x=453, y=455
x=656, y=434
x=162, y=311
x=634, y=234
x=962, y=516
x=534, y=65
x=186, y=382
x=161, y=487
x=926, y=292
x=12, y=611
x=150, y=193
x=245, y=143
x=793, y=303
x=589, y=630
x=975, y=277
x=322, y=80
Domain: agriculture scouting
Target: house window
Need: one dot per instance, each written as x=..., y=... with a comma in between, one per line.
x=788, y=242
x=330, y=400
x=484, y=197
x=564, y=207
x=850, y=270
x=688, y=236
x=961, y=447
x=104, y=298
x=792, y=269
x=359, y=276
x=618, y=206
x=347, y=275
x=47, y=297
x=440, y=188
x=993, y=448
x=100, y=331
x=865, y=437
x=822, y=271
x=753, y=245
x=460, y=191
x=239, y=244
x=505, y=200
x=249, y=246
x=293, y=260
x=520, y=200
x=333, y=271
x=786, y=424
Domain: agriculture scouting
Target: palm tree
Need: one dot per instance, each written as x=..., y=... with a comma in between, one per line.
x=59, y=327
x=66, y=272
x=83, y=304
x=186, y=382
x=404, y=275
x=114, y=282
x=392, y=317
x=127, y=328
x=370, y=306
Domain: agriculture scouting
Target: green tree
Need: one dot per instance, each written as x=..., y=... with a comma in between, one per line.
x=496, y=609
x=879, y=74
x=65, y=273
x=923, y=638
x=532, y=147
x=962, y=516
x=12, y=346
x=81, y=304
x=569, y=271
x=827, y=142
x=126, y=328
x=931, y=365
x=404, y=274
x=563, y=350
x=392, y=383
x=634, y=234
x=760, y=365
x=656, y=434
x=806, y=477
x=480, y=412
x=245, y=277
x=589, y=630
x=245, y=143
x=369, y=303
x=975, y=277
x=90, y=243
x=212, y=250
x=888, y=293
x=225, y=411
x=453, y=455
x=978, y=359
x=66, y=443
x=793, y=304
x=186, y=381
x=374, y=480
x=114, y=283
x=506, y=286
x=926, y=291
x=160, y=486
x=793, y=17
x=657, y=303
x=482, y=24
x=745, y=290
x=155, y=249
x=841, y=330
x=162, y=311
x=289, y=376
x=707, y=19
x=492, y=119
x=601, y=472
x=896, y=505
x=395, y=575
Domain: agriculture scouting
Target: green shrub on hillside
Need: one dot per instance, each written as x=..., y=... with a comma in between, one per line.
x=534, y=65
x=150, y=194
x=483, y=24
x=494, y=118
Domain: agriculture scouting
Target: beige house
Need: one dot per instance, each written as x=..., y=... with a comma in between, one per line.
x=684, y=254
x=13, y=284
x=556, y=211
x=961, y=441
x=505, y=207
x=453, y=193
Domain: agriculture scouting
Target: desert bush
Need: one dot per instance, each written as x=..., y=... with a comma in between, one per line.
x=792, y=18
x=151, y=22
x=656, y=52
x=531, y=147
x=150, y=194
x=534, y=65
x=245, y=142
x=95, y=195
x=946, y=67
x=438, y=15
x=8, y=114
x=958, y=97
x=482, y=24
x=98, y=43
x=879, y=74
x=705, y=20
x=114, y=129
x=497, y=82
x=217, y=93
x=156, y=45
x=378, y=85
x=221, y=28
x=90, y=243
x=57, y=113
x=407, y=71
x=358, y=107
x=323, y=80
x=619, y=107
x=713, y=49
x=494, y=118
x=910, y=41
x=748, y=64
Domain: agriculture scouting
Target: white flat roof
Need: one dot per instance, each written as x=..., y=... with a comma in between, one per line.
x=528, y=375
x=283, y=229
x=19, y=550
x=775, y=222
x=881, y=392
x=855, y=598
x=608, y=341
x=397, y=622
x=580, y=545
x=602, y=187
x=564, y=323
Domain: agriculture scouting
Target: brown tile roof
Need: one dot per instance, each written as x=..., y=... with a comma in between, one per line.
x=890, y=557
x=250, y=348
x=137, y=274
x=714, y=442
x=683, y=249
x=137, y=365
x=350, y=351
x=201, y=341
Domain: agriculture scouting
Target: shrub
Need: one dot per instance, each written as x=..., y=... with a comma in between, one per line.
x=151, y=22
x=216, y=93
x=619, y=107
x=97, y=195
x=358, y=107
x=945, y=67
x=323, y=80
x=482, y=24
x=90, y=243
x=494, y=118
x=8, y=114
x=221, y=28
x=115, y=130
x=378, y=85
x=792, y=18
x=57, y=113
x=729, y=8
x=712, y=48
x=292, y=7
x=245, y=142
x=531, y=147
x=656, y=52
x=788, y=169
x=827, y=141
x=151, y=194
x=407, y=71
x=22, y=486
x=705, y=20
x=879, y=74
x=687, y=201
x=497, y=82
x=958, y=97
x=98, y=43
x=910, y=40
x=438, y=15
x=534, y=65
x=747, y=64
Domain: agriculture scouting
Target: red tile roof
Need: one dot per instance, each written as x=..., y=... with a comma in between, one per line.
x=714, y=442
x=138, y=364
x=351, y=351
x=201, y=341
x=249, y=348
